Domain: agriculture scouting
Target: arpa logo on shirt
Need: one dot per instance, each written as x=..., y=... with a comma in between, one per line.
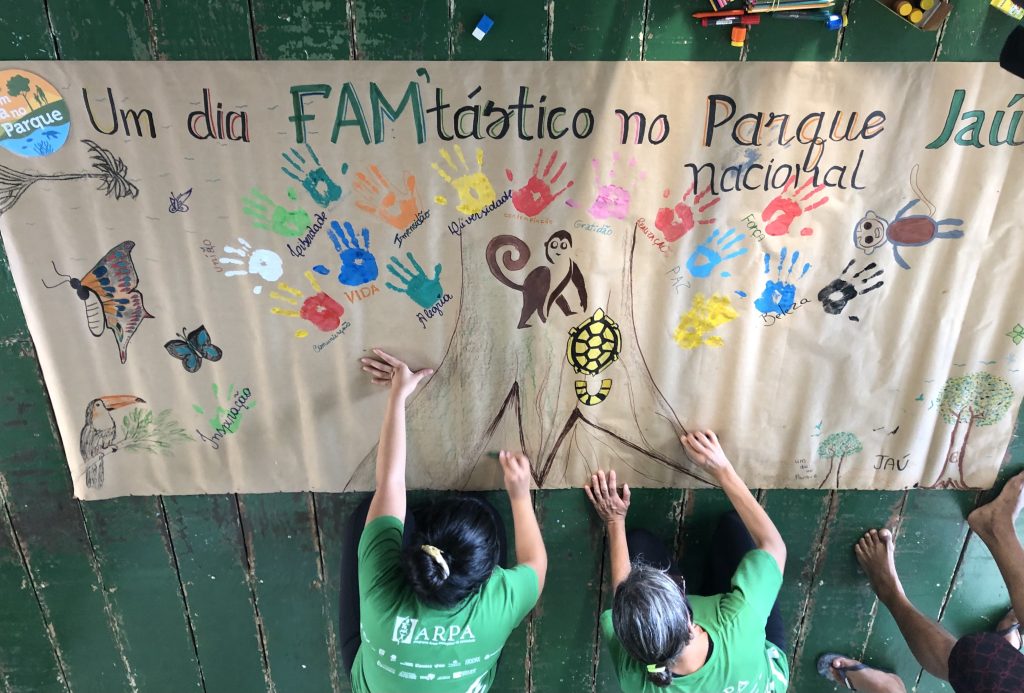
x=407, y=631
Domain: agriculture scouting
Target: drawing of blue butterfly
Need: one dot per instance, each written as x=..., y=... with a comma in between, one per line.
x=193, y=348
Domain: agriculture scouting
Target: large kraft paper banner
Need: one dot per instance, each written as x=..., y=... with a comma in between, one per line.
x=819, y=261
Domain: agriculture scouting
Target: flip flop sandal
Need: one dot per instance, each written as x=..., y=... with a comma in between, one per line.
x=1015, y=626
x=825, y=668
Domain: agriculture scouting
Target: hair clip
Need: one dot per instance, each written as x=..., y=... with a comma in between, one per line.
x=435, y=555
x=655, y=669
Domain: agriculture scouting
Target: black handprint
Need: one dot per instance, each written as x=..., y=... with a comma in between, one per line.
x=839, y=291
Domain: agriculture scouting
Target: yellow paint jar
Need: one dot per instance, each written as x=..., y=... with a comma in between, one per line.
x=916, y=16
x=904, y=8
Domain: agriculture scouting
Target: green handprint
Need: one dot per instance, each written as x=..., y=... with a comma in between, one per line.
x=425, y=292
x=228, y=418
x=266, y=214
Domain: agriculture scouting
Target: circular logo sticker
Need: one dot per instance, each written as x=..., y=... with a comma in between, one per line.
x=34, y=119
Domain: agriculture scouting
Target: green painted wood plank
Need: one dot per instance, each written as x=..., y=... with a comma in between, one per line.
x=565, y=624
x=283, y=546
x=100, y=29
x=201, y=30
x=932, y=529
x=133, y=552
x=673, y=34
x=12, y=318
x=303, y=30
x=49, y=526
x=402, y=30
x=841, y=600
x=875, y=34
x=332, y=514
x=25, y=32
x=781, y=39
x=583, y=30
x=27, y=659
x=801, y=517
x=975, y=31
x=520, y=30
x=701, y=512
x=213, y=568
x=659, y=511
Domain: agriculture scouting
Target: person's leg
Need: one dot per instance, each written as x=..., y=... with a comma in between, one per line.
x=731, y=542
x=929, y=642
x=646, y=547
x=994, y=525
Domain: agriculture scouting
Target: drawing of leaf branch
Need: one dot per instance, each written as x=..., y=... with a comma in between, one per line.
x=109, y=170
x=144, y=432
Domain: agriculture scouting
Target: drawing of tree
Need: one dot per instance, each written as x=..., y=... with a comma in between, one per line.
x=976, y=399
x=18, y=86
x=839, y=444
x=527, y=395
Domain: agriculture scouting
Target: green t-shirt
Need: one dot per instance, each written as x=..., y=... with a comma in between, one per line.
x=410, y=647
x=742, y=661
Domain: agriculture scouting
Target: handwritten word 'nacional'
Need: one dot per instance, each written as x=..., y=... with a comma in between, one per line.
x=420, y=218
x=361, y=293
x=755, y=231
x=886, y=463
x=341, y=330
x=307, y=240
x=456, y=227
x=433, y=310
x=771, y=318
x=231, y=418
x=602, y=229
x=658, y=243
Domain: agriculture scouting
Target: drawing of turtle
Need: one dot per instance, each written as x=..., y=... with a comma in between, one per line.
x=914, y=230
x=592, y=346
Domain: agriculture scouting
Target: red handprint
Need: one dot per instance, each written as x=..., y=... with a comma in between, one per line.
x=675, y=222
x=398, y=209
x=785, y=208
x=535, y=196
x=318, y=309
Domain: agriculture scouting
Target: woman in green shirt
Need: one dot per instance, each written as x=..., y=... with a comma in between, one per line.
x=427, y=606
x=661, y=637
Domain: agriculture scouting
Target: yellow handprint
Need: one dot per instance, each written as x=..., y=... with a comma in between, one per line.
x=703, y=317
x=474, y=189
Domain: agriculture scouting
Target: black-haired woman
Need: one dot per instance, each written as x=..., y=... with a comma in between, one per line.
x=660, y=637
x=426, y=602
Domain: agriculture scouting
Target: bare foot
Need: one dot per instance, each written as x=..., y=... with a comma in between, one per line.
x=1014, y=636
x=875, y=553
x=868, y=680
x=999, y=515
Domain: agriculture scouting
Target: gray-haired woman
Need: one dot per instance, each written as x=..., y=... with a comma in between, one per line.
x=660, y=637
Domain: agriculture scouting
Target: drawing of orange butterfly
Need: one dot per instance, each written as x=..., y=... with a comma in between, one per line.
x=112, y=300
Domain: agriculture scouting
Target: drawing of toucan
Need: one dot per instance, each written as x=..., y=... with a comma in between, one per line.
x=99, y=434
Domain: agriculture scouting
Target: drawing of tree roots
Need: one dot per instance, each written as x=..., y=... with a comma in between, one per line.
x=515, y=384
x=109, y=170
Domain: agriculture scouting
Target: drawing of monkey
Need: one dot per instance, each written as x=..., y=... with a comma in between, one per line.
x=538, y=293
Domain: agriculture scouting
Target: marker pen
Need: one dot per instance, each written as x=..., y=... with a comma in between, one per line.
x=832, y=21
x=745, y=20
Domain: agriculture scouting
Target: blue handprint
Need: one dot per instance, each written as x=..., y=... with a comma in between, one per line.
x=706, y=258
x=358, y=265
x=425, y=292
x=317, y=183
x=779, y=296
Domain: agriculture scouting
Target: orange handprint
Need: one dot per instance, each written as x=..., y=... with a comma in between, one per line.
x=675, y=222
x=785, y=208
x=397, y=208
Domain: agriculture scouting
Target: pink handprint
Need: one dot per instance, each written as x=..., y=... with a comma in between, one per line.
x=535, y=196
x=675, y=222
x=785, y=208
x=612, y=201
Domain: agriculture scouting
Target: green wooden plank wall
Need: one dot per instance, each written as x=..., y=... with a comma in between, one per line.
x=232, y=593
